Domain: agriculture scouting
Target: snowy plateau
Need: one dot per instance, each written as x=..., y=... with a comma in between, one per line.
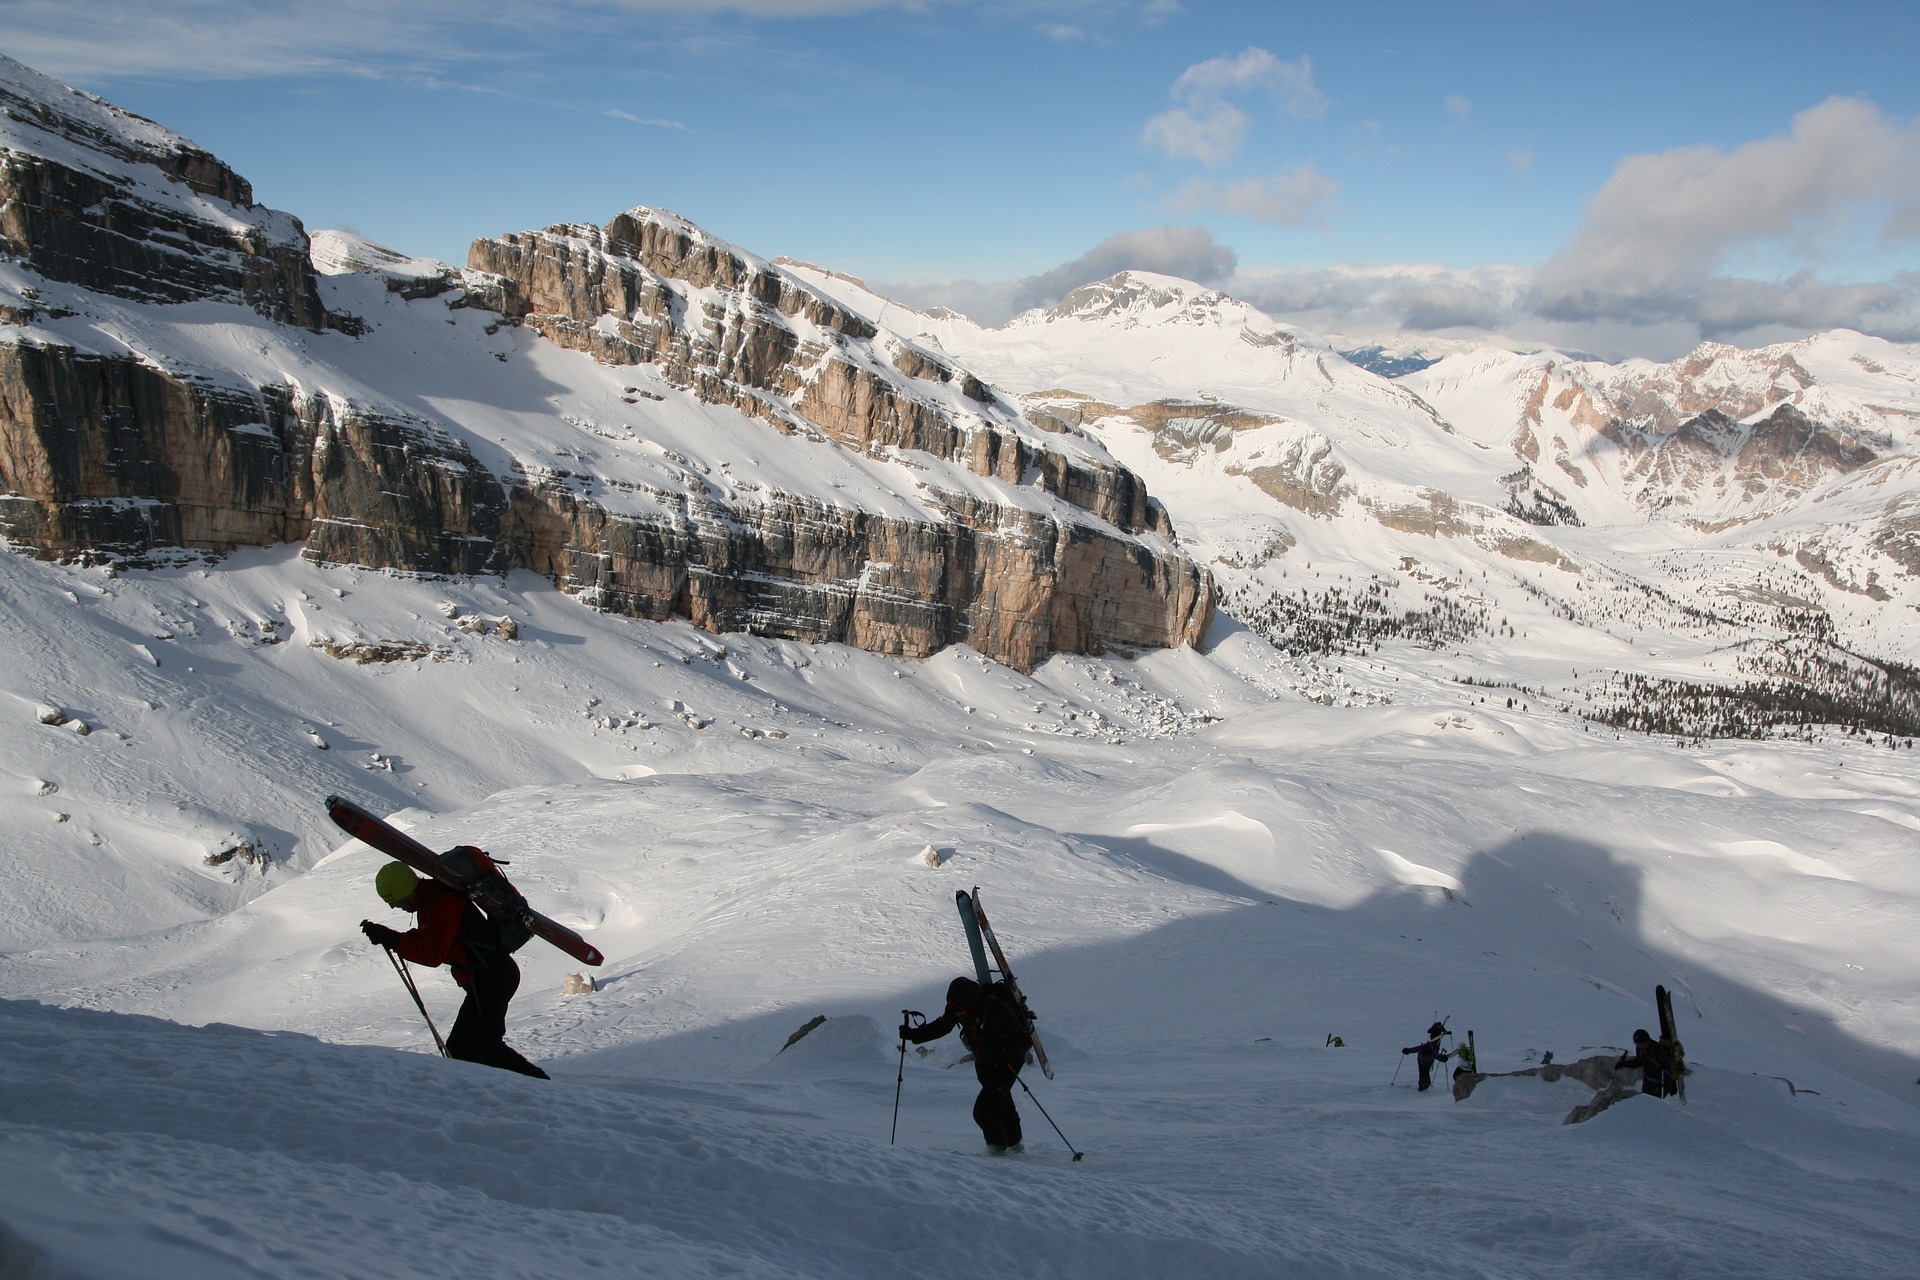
x=1535, y=683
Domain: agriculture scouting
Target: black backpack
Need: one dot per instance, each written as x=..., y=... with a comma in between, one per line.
x=503, y=907
x=1006, y=1024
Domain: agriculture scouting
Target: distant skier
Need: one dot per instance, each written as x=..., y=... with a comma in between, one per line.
x=1430, y=1052
x=454, y=932
x=1656, y=1069
x=999, y=1038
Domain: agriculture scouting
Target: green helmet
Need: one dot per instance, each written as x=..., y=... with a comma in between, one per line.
x=395, y=883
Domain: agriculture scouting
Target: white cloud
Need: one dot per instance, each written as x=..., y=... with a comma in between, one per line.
x=1292, y=199
x=1188, y=252
x=654, y=123
x=1212, y=138
x=1461, y=109
x=1253, y=68
x=196, y=40
x=219, y=39
x=1654, y=240
x=1726, y=309
x=1389, y=299
x=1209, y=129
x=1404, y=304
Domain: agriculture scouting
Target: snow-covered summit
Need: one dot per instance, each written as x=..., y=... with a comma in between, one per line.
x=1719, y=432
x=337, y=253
x=1146, y=298
x=36, y=107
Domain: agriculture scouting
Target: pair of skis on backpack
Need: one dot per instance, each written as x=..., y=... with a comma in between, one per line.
x=980, y=940
x=1670, y=1040
x=469, y=872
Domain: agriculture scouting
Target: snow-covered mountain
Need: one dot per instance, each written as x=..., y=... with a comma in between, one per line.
x=1758, y=510
x=654, y=419
x=1721, y=434
x=1207, y=861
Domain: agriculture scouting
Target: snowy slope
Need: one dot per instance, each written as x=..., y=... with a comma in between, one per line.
x=1197, y=880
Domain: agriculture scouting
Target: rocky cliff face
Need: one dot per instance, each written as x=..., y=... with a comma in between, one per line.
x=112, y=455
x=117, y=436
x=94, y=196
x=732, y=330
x=651, y=288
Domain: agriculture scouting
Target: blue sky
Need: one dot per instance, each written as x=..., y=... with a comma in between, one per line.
x=1618, y=177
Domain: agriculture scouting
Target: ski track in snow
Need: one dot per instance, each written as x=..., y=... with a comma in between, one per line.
x=208, y=1073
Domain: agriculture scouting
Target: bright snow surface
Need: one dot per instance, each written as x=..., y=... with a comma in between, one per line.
x=1198, y=876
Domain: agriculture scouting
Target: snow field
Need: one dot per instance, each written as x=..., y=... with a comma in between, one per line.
x=1195, y=895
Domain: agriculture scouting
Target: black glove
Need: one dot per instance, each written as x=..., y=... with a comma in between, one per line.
x=906, y=1032
x=1405, y=1052
x=378, y=934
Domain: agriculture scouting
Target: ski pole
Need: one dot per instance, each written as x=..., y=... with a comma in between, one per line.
x=399, y=967
x=900, y=1077
x=1077, y=1155
x=1396, y=1071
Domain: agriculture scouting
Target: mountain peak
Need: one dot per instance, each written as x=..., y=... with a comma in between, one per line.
x=1141, y=297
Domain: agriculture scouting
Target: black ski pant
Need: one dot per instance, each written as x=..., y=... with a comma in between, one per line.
x=480, y=1030
x=993, y=1110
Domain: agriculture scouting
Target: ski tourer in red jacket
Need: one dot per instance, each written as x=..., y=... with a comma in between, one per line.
x=452, y=931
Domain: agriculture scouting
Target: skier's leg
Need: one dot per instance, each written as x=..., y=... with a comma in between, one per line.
x=467, y=1038
x=993, y=1110
x=1010, y=1121
x=502, y=1054
x=479, y=1033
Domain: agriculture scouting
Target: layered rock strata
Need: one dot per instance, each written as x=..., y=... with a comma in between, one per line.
x=652, y=289
x=94, y=196
x=1014, y=581
x=109, y=445
x=111, y=455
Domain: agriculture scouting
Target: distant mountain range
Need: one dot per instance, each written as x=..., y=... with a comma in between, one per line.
x=1754, y=513
x=1386, y=363
x=665, y=424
